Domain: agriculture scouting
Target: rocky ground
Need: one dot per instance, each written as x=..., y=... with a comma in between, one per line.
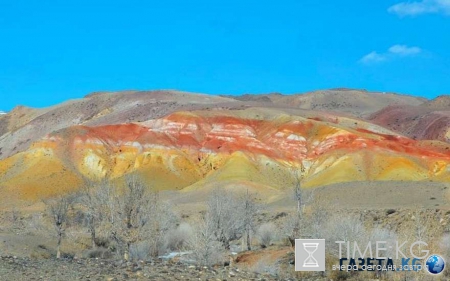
x=15, y=268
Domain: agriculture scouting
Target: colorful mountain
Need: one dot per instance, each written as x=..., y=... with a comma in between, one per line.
x=184, y=141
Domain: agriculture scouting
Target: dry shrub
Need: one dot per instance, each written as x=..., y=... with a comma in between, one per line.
x=206, y=250
x=142, y=251
x=177, y=239
x=266, y=234
x=100, y=253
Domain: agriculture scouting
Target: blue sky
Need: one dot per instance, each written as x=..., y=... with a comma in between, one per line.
x=52, y=51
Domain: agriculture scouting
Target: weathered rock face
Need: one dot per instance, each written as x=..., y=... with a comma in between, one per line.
x=201, y=149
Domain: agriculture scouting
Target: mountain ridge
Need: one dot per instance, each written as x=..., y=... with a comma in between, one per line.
x=182, y=141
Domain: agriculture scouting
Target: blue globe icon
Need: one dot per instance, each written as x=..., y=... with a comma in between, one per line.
x=435, y=264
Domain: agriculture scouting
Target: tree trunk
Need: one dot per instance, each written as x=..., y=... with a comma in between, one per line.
x=292, y=241
x=126, y=255
x=58, y=246
x=249, y=247
x=226, y=243
x=93, y=237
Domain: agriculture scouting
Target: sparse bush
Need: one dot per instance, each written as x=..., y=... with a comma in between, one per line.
x=15, y=216
x=101, y=253
x=163, y=221
x=344, y=228
x=141, y=251
x=176, y=239
x=67, y=255
x=348, y=228
x=102, y=242
x=40, y=254
x=390, y=211
x=266, y=234
x=316, y=220
x=206, y=249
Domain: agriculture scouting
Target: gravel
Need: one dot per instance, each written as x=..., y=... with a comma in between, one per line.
x=14, y=268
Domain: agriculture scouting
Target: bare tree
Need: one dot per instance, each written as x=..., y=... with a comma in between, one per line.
x=162, y=221
x=420, y=227
x=131, y=213
x=318, y=218
x=249, y=212
x=91, y=198
x=298, y=193
x=294, y=225
x=224, y=212
x=302, y=226
x=106, y=207
x=58, y=208
x=206, y=249
x=301, y=197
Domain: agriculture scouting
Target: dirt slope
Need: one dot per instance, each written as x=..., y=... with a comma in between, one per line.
x=428, y=121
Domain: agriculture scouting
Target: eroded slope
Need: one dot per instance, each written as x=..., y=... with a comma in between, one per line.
x=202, y=149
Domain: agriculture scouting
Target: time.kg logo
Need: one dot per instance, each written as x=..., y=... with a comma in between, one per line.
x=309, y=254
